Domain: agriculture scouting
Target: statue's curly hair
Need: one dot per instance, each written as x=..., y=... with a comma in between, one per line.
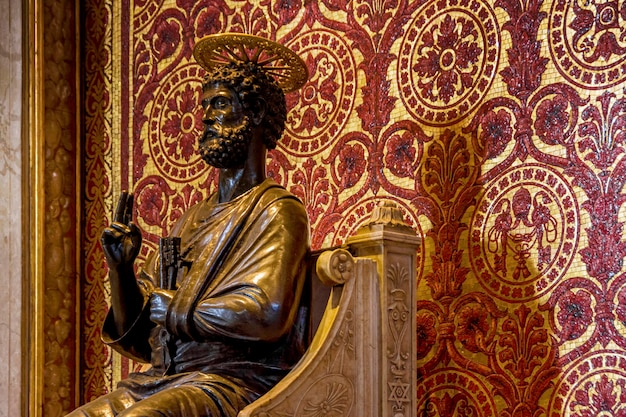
x=250, y=81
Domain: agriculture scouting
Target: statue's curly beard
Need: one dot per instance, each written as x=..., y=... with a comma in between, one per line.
x=226, y=147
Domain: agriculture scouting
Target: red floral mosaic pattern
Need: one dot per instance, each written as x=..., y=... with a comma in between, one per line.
x=449, y=392
x=96, y=202
x=587, y=42
x=448, y=59
x=175, y=123
x=595, y=385
x=321, y=110
x=502, y=142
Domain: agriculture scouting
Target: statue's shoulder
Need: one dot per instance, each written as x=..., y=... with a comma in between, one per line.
x=272, y=191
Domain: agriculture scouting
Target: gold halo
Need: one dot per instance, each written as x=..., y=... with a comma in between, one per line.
x=280, y=62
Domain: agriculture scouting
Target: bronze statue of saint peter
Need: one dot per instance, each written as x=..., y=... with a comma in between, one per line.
x=218, y=312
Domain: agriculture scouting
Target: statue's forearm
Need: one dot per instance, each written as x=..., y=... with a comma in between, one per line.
x=126, y=298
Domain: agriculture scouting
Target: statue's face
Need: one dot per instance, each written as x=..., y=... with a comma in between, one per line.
x=227, y=131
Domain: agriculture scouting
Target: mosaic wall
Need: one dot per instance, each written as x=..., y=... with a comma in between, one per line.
x=497, y=127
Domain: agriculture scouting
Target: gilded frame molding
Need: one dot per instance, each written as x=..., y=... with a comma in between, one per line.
x=33, y=228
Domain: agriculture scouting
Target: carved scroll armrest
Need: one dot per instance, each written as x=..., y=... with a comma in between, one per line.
x=335, y=267
x=330, y=376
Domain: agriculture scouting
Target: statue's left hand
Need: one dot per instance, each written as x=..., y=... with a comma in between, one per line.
x=160, y=300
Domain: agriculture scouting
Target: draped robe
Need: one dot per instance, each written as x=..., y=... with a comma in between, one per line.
x=237, y=323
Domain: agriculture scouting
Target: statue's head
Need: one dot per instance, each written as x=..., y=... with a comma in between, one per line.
x=252, y=75
x=252, y=85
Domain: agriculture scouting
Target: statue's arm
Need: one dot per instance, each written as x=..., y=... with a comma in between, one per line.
x=121, y=242
x=134, y=342
x=260, y=299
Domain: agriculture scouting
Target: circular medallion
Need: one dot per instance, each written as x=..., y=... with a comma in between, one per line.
x=175, y=124
x=594, y=385
x=524, y=233
x=448, y=59
x=453, y=392
x=319, y=111
x=587, y=41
